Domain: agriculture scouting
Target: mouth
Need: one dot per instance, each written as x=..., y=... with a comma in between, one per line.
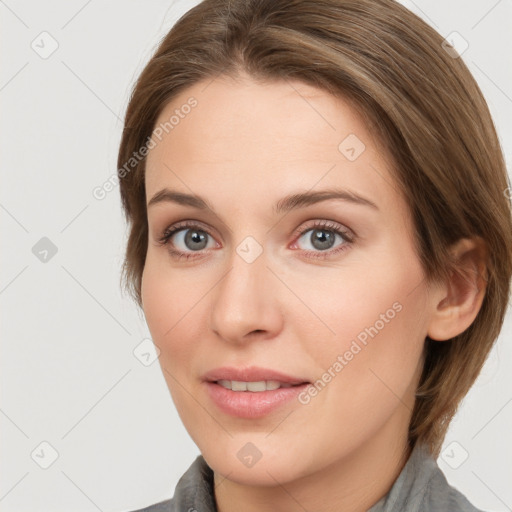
x=255, y=386
x=252, y=392
x=253, y=399
x=253, y=378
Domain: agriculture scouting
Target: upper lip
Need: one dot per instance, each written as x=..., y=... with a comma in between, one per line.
x=250, y=374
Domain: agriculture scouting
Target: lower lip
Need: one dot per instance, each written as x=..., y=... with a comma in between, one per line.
x=251, y=404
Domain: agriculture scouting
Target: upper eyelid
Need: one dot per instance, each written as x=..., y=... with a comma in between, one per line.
x=186, y=224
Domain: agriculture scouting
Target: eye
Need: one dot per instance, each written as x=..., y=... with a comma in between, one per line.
x=193, y=239
x=322, y=238
x=188, y=238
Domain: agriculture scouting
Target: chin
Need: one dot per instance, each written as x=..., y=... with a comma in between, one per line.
x=263, y=473
x=241, y=461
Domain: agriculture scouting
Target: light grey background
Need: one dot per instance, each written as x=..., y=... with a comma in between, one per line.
x=69, y=376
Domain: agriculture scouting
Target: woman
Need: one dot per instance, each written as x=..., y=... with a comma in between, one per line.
x=321, y=242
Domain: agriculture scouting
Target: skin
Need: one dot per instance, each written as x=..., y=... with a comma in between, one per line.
x=242, y=148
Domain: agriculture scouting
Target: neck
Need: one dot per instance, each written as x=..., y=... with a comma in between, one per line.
x=352, y=484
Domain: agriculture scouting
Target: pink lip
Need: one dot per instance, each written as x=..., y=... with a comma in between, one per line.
x=250, y=374
x=249, y=404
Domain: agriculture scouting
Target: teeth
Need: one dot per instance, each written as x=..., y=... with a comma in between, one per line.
x=257, y=386
x=263, y=385
x=238, y=386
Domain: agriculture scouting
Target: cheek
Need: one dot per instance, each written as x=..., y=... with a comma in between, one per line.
x=376, y=314
x=166, y=298
x=378, y=297
x=173, y=305
x=366, y=371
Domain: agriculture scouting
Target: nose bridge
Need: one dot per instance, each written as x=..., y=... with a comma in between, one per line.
x=245, y=299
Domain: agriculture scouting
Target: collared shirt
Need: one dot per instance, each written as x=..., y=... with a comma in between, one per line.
x=420, y=487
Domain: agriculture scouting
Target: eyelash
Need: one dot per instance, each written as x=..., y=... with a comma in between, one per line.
x=325, y=225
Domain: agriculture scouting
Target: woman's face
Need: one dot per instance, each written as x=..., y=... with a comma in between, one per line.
x=270, y=269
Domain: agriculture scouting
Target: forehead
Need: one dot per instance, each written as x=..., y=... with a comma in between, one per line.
x=276, y=113
x=244, y=138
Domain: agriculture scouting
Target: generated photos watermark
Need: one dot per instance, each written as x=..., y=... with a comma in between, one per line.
x=101, y=191
x=344, y=359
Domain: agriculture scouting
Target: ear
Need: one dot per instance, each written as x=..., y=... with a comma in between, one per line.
x=457, y=301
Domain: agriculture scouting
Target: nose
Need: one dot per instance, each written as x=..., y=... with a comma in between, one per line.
x=246, y=302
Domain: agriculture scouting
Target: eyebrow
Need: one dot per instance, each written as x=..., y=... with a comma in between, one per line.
x=286, y=204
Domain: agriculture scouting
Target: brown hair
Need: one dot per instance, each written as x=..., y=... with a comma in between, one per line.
x=426, y=108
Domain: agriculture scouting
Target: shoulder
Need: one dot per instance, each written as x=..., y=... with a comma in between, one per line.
x=193, y=492
x=161, y=506
x=423, y=487
x=441, y=496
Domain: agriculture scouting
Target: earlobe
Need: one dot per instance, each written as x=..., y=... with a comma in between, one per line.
x=458, y=302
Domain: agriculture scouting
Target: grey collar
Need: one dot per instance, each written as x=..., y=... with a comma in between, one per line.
x=420, y=487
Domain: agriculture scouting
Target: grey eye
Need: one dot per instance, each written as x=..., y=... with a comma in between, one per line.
x=192, y=239
x=320, y=239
